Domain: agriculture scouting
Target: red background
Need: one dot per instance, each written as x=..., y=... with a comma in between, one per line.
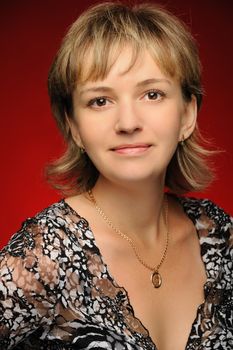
x=30, y=33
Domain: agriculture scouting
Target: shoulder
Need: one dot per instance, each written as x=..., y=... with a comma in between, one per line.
x=210, y=219
x=47, y=231
x=40, y=254
x=214, y=228
x=196, y=208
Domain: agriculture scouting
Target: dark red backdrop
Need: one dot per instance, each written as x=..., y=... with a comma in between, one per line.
x=30, y=33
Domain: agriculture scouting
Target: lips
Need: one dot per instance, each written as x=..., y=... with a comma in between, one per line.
x=131, y=148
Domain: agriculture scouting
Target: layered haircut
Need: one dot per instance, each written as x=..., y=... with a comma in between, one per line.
x=88, y=52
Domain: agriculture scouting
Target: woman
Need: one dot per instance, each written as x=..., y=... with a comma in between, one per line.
x=120, y=263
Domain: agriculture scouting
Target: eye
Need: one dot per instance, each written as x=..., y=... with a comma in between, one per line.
x=154, y=95
x=98, y=102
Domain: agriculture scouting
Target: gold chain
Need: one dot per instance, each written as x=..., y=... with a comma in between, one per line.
x=155, y=277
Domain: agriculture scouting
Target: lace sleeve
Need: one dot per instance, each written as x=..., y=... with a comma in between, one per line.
x=28, y=279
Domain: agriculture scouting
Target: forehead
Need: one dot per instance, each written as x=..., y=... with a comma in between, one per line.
x=119, y=61
x=127, y=63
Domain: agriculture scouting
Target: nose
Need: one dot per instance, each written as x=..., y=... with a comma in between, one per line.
x=127, y=120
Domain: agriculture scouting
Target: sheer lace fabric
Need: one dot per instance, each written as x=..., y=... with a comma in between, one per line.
x=56, y=292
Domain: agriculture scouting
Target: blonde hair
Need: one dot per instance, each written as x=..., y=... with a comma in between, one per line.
x=99, y=32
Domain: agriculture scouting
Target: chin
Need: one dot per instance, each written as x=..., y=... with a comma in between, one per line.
x=132, y=177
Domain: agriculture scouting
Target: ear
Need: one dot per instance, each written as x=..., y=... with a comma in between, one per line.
x=189, y=119
x=73, y=127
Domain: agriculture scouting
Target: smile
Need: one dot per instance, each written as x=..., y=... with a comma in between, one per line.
x=131, y=149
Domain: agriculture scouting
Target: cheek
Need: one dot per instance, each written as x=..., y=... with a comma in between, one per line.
x=91, y=136
x=166, y=122
x=94, y=129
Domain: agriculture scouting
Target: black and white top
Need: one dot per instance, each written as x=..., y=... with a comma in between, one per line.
x=57, y=293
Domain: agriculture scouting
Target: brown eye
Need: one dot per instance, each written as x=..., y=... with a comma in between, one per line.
x=100, y=101
x=153, y=95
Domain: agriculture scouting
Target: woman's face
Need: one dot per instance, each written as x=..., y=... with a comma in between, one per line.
x=130, y=122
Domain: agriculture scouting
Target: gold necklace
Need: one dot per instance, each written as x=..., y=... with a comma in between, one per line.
x=156, y=278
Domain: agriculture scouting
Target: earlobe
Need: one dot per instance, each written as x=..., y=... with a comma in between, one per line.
x=189, y=119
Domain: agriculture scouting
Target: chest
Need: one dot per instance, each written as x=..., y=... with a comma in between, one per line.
x=169, y=311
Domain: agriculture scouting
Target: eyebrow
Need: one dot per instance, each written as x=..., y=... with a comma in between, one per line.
x=139, y=84
x=96, y=89
x=152, y=81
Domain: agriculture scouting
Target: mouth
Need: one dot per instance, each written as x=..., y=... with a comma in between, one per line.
x=131, y=149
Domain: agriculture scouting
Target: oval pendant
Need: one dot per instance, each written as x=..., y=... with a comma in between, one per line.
x=156, y=279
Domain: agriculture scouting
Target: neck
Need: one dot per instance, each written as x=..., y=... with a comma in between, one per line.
x=135, y=210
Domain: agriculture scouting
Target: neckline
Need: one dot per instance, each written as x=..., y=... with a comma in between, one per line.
x=209, y=279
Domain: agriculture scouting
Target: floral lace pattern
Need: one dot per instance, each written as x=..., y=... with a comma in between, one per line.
x=56, y=292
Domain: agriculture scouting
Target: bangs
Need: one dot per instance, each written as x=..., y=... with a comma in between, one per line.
x=101, y=58
x=96, y=52
x=97, y=59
